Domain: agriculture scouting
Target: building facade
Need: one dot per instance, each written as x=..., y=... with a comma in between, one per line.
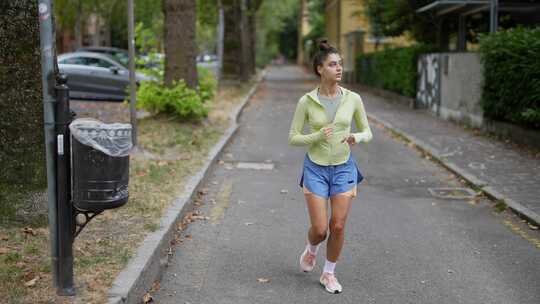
x=348, y=29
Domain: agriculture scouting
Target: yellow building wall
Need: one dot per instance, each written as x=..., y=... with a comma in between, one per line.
x=331, y=21
x=346, y=16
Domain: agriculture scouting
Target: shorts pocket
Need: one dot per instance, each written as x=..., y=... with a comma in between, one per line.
x=343, y=178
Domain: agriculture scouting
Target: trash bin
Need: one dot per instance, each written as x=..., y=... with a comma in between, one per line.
x=100, y=164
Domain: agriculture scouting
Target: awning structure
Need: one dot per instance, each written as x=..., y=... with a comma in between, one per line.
x=464, y=8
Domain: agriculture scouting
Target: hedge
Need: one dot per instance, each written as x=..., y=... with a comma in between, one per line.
x=391, y=69
x=511, y=90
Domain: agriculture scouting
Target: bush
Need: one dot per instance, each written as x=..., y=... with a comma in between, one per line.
x=207, y=84
x=511, y=90
x=178, y=99
x=391, y=69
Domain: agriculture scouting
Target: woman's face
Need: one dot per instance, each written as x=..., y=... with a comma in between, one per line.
x=331, y=68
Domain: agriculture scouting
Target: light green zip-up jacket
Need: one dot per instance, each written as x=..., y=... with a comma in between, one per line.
x=331, y=151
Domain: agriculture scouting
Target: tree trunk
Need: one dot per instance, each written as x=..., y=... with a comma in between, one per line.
x=252, y=36
x=232, y=45
x=22, y=156
x=245, y=41
x=240, y=34
x=180, y=44
x=79, y=26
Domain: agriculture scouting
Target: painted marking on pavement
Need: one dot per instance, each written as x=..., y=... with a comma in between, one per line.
x=222, y=202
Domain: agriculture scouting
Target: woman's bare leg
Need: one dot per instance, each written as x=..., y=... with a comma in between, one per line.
x=340, y=204
x=318, y=217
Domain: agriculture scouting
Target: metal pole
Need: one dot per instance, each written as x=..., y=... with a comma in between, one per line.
x=493, y=14
x=132, y=84
x=462, y=34
x=221, y=32
x=66, y=224
x=46, y=32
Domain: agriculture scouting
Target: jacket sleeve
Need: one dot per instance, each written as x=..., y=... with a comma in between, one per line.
x=296, y=138
x=361, y=121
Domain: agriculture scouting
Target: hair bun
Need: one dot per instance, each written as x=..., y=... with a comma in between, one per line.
x=323, y=45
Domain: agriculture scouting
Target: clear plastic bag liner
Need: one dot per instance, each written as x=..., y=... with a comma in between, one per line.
x=112, y=139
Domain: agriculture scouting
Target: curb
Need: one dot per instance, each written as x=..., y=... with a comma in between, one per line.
x=488, y=190
x=150, y=259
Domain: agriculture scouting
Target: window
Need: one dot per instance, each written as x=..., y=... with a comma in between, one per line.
x=97, y=62
x=73, y=60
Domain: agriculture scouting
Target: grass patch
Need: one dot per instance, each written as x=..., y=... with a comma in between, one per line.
x=500, y=206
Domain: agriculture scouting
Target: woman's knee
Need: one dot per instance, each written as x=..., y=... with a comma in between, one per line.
x=337, y=227
x=319, y=231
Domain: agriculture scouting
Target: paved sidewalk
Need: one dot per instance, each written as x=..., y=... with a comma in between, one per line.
x=501, y=169
x=402, y=245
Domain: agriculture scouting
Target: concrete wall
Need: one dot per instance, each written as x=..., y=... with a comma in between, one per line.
x=461, y=88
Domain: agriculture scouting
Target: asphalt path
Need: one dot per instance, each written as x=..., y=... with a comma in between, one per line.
x=403, y=244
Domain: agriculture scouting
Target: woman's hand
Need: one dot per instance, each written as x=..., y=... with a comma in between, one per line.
x=328, y=131
x=349, y=139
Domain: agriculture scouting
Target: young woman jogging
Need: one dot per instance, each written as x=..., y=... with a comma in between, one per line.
x=329, y=171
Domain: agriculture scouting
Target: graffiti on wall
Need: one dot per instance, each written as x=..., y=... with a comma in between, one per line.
x=428, y=95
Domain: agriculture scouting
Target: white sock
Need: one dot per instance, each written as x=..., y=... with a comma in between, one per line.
x=313, y=249
x=329, y=267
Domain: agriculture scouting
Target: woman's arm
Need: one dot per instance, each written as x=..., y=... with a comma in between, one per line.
x=361, y=121
x=296, y=138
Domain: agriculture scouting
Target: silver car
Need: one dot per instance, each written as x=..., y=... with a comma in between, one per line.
x=95, y=76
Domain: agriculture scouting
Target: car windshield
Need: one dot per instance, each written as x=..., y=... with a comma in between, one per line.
x=121, y=58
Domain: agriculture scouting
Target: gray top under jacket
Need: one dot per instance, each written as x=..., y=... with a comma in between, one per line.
x=330, y=104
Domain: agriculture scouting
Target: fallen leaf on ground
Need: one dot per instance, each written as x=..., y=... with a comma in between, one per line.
x=533, y=227
x=3, y=250
x=199, y=217
x=147, y=298
x=3, y=237
x=29, y=230
x=263, y=280
x=32, y=282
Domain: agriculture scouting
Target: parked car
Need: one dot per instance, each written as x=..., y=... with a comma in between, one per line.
x=120, y=55
x=95, y=76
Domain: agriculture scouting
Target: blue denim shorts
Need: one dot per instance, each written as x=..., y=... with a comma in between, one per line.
x=326, y=181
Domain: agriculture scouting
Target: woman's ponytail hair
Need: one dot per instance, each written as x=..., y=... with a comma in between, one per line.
x=325, y=49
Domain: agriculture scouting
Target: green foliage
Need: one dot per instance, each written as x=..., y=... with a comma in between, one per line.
x=207, y=84
x=288, y=37
x=148, y=61
x=271, y=20
x=396, y=17
x=207, y=21
x=178, y=99
x=511, y=63
x=391, y=69
x=316, y=11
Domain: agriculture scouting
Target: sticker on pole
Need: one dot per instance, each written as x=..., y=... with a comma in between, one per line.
x=112, y=139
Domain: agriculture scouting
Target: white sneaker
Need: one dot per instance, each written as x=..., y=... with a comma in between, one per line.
x=307, y=260
x=330, y=283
